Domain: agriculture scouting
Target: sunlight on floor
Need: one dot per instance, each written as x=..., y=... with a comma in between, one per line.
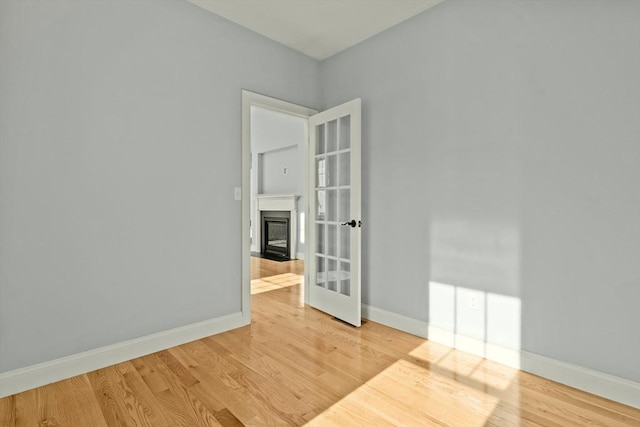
x=428, y=384
x=279, y=281
x=459, y=364
x=443, y=395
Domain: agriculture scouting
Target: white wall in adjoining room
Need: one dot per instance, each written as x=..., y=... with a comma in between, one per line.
x=501, y=154
x=280, y=171
x=278, y=142
x=120, y=130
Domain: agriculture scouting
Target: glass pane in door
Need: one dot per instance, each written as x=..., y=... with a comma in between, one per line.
x=345, y=278
x=320, y=272
x=332, y=240
x=332, y=136
x=320, y=143
x=330, y=172
x=332, y=279
x=344, y=165
x=320, y=237
x=345, y=130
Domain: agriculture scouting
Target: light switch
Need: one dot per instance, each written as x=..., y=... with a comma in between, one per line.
x=237, y=193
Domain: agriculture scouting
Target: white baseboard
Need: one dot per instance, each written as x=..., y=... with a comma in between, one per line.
x=22, y=379
x=594, y=382
x=589, y=380
x=397, y=321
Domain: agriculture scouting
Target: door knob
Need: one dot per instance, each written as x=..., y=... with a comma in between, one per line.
x=352, y=223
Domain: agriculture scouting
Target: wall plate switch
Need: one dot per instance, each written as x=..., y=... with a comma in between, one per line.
x=237, y=193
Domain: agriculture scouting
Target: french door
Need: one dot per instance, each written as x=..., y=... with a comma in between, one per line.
x=334, y=224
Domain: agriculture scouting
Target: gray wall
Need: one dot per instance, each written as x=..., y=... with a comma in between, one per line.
x=501, y=157
x=120, y=129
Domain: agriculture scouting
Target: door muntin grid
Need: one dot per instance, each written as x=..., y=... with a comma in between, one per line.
x=332, y=177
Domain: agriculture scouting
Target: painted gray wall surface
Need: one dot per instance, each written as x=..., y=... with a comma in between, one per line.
x=501, y=154
x=120, y=130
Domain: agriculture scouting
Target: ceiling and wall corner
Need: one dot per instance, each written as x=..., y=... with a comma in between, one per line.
x=317, y=28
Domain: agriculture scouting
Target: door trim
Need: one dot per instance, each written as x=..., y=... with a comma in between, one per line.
x=250, y=99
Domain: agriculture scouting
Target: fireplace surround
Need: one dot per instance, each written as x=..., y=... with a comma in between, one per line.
x=267, y=203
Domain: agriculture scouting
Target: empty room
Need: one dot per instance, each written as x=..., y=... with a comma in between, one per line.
x=319, y=212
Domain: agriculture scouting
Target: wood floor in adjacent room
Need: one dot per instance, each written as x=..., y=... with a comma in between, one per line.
x=297, y=366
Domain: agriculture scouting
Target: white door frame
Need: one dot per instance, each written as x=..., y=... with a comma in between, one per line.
x=250, y=99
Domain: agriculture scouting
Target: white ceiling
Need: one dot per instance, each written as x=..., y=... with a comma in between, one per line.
x=318, y=28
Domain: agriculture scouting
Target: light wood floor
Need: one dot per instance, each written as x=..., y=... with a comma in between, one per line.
x=296, y=366
x=261, y=268
x=267, y=275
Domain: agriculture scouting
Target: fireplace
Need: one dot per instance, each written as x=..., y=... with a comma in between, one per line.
x=266, y=205
x=276, y=234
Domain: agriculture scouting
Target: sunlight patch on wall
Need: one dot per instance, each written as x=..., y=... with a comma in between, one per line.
x=479, y=322
x=474, y=287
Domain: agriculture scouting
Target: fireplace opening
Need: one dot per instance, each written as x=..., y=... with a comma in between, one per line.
x=276, y=235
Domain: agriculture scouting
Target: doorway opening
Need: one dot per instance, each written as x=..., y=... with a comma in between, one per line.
x=274, y=177
x=331, y=192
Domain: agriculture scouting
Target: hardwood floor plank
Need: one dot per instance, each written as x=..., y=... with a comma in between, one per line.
x=244, y=388
x=8, y=411
x=284, y=371
x=216, y=387
x=178, y=369
x=132, y=404
x=107, y=398
x=77, y=404
x=148, y=406
x=181, y=407
x=47, y=406
x=297, y=366
x=26, y=408
x=227, y=419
